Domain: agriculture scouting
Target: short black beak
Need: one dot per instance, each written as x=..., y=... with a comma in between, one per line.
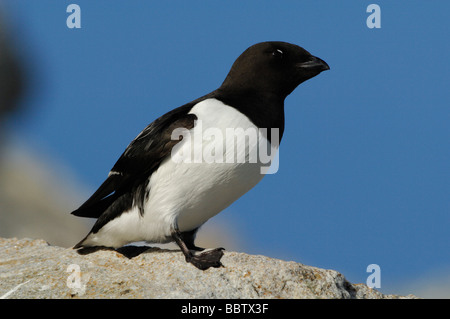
x=315, y=63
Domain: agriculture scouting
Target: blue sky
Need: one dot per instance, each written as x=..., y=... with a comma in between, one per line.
x=364, y=171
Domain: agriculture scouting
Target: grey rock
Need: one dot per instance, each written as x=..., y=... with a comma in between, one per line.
x=34, y=269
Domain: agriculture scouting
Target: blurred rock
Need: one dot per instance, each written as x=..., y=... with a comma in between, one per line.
x=34, y=269
x=11, y=73
x=37, y=196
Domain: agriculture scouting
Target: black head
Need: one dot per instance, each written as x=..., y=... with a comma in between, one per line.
x=273, y=67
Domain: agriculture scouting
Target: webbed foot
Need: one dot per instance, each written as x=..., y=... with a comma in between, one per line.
x=207, y=259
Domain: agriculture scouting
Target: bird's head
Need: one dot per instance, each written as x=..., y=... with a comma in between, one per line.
x=273, y=67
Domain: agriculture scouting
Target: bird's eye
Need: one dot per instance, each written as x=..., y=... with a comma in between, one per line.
x=278, y=54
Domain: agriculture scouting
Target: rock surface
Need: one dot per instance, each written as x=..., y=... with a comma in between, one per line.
x=34, y=269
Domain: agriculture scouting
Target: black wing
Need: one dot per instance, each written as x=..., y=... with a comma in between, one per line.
x=140, y=159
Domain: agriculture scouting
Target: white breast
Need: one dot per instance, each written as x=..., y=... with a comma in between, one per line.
x=210, y=177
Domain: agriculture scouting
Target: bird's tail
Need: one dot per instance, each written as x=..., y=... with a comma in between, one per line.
x=103, y=197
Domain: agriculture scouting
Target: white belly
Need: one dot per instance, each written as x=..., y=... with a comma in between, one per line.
x=194, y=184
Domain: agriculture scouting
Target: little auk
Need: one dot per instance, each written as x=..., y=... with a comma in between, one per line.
x=162, y=188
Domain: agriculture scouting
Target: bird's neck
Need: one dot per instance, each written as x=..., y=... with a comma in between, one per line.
x=264, y=109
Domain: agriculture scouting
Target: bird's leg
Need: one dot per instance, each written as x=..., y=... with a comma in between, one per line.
x=189, y=237
x=203, y=261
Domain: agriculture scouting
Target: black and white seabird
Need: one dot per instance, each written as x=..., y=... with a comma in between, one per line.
x=149, y=196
